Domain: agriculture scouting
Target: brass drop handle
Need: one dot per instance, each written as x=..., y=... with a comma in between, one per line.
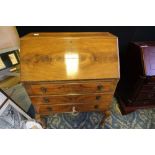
x=74, y=110
x=98, y=97
x=96, y=106
x=100, y=87
x=49, y=108
x=43, y=89
x=46, y=100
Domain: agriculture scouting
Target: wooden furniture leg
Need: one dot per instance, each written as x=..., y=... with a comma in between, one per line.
x=40, y=120
x=107, y=114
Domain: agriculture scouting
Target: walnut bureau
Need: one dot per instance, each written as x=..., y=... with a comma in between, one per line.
x=69, y=72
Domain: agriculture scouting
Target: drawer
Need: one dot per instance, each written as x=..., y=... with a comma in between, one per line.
x=148, y=88
x=146, y=95
x=145, y=103
x=49, y=109
x=70, y=88
x=74, y=99
x=150, y=81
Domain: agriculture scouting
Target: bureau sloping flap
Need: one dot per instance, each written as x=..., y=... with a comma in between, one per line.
x=50, y=57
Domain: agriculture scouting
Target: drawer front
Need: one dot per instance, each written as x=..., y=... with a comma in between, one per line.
x=74, y=99
x=49, y=109
x=145, y=103
x=70, y=88
x=150, y=81
x=146, y=95
x=148, y=88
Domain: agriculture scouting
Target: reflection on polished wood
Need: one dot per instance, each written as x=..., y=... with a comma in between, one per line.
x=72, y=64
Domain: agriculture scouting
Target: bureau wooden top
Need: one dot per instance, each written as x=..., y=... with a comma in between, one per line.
x=70, y=34
x=69, y=56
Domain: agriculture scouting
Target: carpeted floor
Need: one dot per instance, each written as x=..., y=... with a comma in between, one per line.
x=141, y=119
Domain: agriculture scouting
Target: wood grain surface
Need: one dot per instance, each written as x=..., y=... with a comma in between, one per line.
x=50, y=109
x=69, y=56
x=78, y=87
x=74, y=99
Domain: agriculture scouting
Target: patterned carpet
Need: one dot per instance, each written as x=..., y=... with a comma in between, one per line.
x=141, y=119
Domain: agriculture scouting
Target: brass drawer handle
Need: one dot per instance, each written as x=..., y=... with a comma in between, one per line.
x=46, y=100
x=43, y=89
x=98, y=97
x=100, y=88
x=96, y=106
x=49, y=108
x=74, y=110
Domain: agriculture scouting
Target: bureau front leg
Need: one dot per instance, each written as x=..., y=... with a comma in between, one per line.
x=40, y=120
x=107, y=114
